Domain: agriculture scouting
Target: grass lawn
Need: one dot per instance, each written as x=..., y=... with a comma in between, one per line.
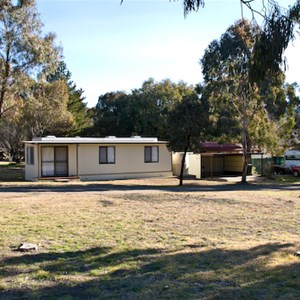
x=149, y=239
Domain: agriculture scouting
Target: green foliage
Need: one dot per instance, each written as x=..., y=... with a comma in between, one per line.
x=143, y=112
x=187, y=126
x=277, y=32
x=188, y=123
x=75, y=104
x=12, y=133
x=265, y=111
x=45, y=109
x=274, y=38
x=109, y=115
x=225, y=68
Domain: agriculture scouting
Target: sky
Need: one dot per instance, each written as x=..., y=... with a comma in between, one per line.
x=111, y=47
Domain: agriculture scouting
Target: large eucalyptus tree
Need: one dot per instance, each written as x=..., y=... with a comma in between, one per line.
x=25, y=52
x=239, y=108
x=278, y=29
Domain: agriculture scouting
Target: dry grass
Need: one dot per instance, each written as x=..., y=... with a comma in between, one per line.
x=149, y=239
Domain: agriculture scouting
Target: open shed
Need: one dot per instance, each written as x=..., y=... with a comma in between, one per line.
x=216, y=160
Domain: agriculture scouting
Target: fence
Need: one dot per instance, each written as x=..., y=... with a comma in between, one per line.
x=264, y=165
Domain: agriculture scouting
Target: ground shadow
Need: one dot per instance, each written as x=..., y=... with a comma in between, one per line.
x=104, y=186
x=194, y=273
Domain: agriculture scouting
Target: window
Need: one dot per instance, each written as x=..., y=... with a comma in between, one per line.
x=151, y=154
x=30, y=155
x=293, y=157
x=107, y=155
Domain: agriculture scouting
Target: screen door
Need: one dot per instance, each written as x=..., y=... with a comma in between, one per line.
x=54, y=161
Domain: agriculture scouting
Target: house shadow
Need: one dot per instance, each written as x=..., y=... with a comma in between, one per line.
x=193, y=273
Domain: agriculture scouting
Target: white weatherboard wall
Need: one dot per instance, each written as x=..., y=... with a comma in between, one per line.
x=129, y=162
x=31, y=170
x=195, y=165
x=176, y=163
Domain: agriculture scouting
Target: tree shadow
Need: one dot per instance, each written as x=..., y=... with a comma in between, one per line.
x=192, y=273
x=107, y=186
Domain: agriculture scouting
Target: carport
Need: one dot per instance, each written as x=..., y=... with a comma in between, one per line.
x=216, y=160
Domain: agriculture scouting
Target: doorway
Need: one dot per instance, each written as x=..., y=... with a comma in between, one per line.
x=54, y=161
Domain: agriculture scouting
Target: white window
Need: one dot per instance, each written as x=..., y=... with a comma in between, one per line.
x=151, y=154
x=30, y=155
x=107, y=155
x=293, y=157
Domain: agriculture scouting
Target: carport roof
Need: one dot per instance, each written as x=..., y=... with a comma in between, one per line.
x=216, y=147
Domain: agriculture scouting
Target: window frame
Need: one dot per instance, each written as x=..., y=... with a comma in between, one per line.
x=107, y=162
x=292, y=157
x=151, y=159
x=30, y=155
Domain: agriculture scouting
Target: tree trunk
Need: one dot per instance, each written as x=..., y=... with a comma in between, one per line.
x=4, y=83
x=183, y=160
x=245, y=157
x=244, y=137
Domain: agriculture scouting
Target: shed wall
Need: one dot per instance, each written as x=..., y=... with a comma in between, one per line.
x=195, y=165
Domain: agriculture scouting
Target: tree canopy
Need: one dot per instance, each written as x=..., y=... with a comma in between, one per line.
x=278, y=30
x=241, y=110
x=144, y=111
x=75, y=104
x=188, y=124
x=25, y=52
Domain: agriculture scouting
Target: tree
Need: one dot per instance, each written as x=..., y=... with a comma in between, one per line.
x=143, y=112
x=152, y=103
x=75, y=105
x=187, y=126
x=25, y=52
x=109, y=115
x=278, y=30
x=12, y=133
x=246, y=111
x=45, y=109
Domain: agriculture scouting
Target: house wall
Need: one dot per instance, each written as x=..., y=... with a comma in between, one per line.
x=31, y=171
x=129, y=162
x=83, y=160
x=72, y=160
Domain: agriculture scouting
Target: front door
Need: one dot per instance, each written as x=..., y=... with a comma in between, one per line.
x=54, y=161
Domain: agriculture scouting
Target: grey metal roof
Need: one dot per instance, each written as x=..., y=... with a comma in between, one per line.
x=95, y=140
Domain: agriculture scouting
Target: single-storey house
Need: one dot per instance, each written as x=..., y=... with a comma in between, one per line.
x=96, y=158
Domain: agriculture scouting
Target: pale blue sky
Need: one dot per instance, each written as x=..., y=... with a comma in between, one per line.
x=109, y=47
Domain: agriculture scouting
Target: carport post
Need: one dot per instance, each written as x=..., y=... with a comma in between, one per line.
x=262, y=164
x=211, y=166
